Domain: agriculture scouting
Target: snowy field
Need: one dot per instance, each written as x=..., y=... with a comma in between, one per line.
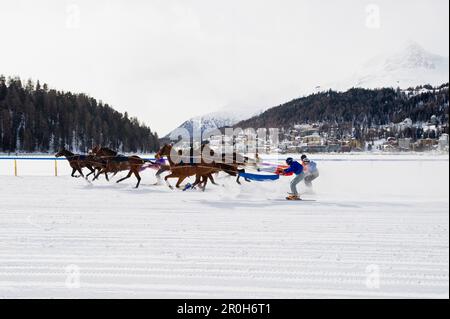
x=378, y=227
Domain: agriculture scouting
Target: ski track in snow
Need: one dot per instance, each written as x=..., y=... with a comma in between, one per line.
x=231, y=241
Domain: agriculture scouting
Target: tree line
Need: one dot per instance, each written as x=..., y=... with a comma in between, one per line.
x=358, y=110
x=34, y=118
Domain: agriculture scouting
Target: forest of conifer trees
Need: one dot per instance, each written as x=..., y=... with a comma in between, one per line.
x=34, y=118
x=358, y=111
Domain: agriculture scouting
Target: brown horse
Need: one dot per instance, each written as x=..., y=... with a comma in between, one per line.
x=116, y=163
x=76, y=161
x=228, y=163
x=96, y=162
x=102, y=151
x=182, y=171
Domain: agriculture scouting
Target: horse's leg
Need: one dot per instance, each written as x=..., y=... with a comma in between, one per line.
x=91, y=169
x=128, y=176
x=100, y=171
x=239, y=176
x=205, y=181
x=211, y=178
x=180, y=180
x=75, y=168
x=114, y=174
x=81, y=171
x=87, y=176
x=172, y=175
x=197, y=181
x=136, y=173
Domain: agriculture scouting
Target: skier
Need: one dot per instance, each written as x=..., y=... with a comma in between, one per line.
x=296, y=168
x=311, y=171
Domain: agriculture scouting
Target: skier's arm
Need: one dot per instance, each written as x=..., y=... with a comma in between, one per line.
x=288, y=170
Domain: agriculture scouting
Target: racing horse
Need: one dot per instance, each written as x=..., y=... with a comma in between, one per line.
x=228, y=163
x=203, y=171
x=182, y=170
x=76, y=161
x=114, y=163
x=98, y=162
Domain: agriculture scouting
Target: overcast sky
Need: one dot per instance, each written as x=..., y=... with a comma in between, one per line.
x=165, y=61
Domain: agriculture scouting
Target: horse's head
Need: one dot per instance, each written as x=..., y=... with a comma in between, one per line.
x=164, y=151
x=61, y=152
x=103, y=151
x=94, y=149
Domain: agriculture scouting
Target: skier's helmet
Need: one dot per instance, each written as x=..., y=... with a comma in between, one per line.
x=303, y=157
x=289, y=160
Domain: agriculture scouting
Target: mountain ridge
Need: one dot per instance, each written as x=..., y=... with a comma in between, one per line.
x=357, y=107
x=409, y=66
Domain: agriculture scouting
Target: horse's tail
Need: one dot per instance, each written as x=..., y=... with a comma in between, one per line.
x=229, y=169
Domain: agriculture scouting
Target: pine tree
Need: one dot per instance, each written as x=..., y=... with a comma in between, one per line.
x=34, y=118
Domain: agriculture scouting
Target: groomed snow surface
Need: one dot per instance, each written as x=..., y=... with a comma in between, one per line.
x=377, y=228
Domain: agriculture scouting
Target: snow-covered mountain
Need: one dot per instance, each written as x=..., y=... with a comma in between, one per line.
x=227, y=116
x=410, y=66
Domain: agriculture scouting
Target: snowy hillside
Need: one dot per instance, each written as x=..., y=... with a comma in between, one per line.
x=410, y=66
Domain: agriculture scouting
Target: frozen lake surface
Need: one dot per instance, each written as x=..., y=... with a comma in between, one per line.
x=379, y=227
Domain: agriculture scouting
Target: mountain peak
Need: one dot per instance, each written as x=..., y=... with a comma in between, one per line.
x=411, y=65
x=412, y=46
x=411, y=56
x=225, y=117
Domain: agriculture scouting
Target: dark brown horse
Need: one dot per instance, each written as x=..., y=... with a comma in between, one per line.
x=102, y=151
x=96, y=162
x=117, y=163
x=76, y=161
